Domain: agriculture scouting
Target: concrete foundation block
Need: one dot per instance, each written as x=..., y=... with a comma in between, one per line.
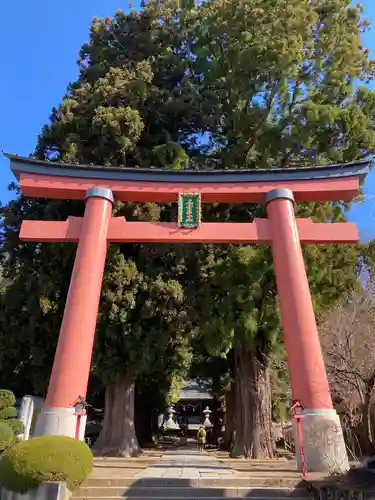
x=59, y=422
x=46, y=491
x=323, y=442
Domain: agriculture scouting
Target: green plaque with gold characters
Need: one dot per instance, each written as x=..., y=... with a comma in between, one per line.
x=189, y=210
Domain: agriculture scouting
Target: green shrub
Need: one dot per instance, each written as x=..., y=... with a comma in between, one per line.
x=17, y=426
x=8, y=413
x=28, y=464
x=7, y=398
x=6, y=436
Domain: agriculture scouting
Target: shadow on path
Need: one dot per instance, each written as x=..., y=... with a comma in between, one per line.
x=173, y=488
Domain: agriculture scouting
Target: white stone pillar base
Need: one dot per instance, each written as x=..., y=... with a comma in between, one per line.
x=323, y=442
x=59, y=422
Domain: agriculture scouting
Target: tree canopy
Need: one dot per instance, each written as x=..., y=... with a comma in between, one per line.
x=222, y=84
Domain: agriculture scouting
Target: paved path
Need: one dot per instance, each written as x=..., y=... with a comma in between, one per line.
x=188, y=464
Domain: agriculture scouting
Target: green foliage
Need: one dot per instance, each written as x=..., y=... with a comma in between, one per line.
x=143, y=323
x=135, y=109
x=7, y=399
x=6, y=436
x=16, y=426
x=49, y=458
x=284, y=75
x=238, y=302
x=8, y=414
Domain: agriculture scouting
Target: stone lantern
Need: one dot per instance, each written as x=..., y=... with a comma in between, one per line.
x=207, y=422
x=170, y=423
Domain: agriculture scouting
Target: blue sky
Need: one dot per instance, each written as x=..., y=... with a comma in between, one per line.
x=39, y=47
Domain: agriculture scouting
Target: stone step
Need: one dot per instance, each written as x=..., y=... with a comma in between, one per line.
x=195, y=497
x=259, y=465
x=168, y=492
x=141, y=458
x=101, y=460
x=116, y=463
x=207, y=482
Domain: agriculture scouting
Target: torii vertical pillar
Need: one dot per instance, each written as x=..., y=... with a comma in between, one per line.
x=71, y=367
x=324, y=444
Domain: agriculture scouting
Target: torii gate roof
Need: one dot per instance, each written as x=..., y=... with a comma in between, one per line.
x=51, y=179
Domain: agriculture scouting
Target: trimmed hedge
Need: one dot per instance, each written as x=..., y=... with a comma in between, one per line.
x=17, y=426
x=8, y=413
x=7, y=398
x=28, y=464
x=6, y=436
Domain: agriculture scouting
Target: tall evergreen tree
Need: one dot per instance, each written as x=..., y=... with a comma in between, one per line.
x=134, y=105
x=283, y=73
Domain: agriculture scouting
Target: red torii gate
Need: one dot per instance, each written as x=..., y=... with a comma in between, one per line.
x=278, y=189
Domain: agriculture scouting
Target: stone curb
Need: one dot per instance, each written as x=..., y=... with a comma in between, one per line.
x=46, y=491
x=196, y=482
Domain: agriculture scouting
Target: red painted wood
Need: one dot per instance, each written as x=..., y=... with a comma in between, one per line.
x=49, y=186
x=308, y=377
x=122, y=231
x=72, y=362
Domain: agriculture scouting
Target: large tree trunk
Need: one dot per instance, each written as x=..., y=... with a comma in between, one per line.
x=117, y=437
x=253, y=436
x=229, y=417
x=144, y=422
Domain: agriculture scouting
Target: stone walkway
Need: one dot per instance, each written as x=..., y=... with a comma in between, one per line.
x=188, y=474
x=187, y=464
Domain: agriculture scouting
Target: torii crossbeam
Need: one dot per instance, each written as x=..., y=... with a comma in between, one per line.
x=278, y=189
x=121, y=231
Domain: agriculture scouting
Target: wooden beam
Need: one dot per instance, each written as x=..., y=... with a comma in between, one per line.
x=327, y=232
x=122, y=231
x=51, y=231
x=53, y=186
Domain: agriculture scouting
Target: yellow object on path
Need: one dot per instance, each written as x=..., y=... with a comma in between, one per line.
x=201, y=435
